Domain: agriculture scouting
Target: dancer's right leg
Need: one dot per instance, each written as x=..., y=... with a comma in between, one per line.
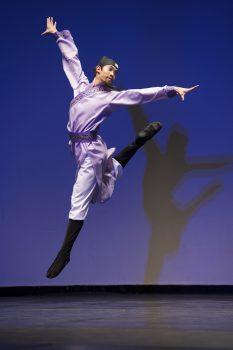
x=83, y=190
x=142, y=137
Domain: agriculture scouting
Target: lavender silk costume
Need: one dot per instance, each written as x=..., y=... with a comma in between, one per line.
x=91, y=105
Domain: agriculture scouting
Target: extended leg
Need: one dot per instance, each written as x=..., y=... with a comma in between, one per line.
x=144, y=135
x=80, y=200
x=63, y=256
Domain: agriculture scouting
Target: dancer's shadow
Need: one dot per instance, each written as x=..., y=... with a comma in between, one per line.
x=163, y=173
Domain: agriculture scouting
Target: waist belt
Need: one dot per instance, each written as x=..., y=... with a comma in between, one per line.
x=80, y=136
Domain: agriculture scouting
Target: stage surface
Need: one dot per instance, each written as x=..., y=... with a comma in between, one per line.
x=95, y=321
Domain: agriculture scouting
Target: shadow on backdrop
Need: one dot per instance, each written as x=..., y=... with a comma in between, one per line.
x=164, y=172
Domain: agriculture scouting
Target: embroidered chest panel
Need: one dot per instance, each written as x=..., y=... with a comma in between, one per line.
x=91, y=91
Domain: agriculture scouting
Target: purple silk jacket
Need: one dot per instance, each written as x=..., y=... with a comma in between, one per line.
x=91, y=105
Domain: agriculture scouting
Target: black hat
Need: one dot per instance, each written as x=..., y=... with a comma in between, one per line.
x=106, y=60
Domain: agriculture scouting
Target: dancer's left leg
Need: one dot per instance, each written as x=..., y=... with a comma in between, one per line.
x=144, y=135
x=63, y=256
x=83, y=190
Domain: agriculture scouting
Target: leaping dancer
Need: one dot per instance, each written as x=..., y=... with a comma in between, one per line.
x=97, y=168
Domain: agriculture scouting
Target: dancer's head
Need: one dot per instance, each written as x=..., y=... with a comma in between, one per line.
x=106, y=70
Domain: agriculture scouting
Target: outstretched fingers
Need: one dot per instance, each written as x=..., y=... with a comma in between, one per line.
x=51, y=26
x=193, y=87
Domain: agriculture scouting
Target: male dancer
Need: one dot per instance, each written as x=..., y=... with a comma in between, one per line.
x=97, y=170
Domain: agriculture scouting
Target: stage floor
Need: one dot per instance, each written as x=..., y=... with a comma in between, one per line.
x=98, y=321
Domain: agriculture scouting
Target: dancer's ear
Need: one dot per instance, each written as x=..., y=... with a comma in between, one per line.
x=98, y=69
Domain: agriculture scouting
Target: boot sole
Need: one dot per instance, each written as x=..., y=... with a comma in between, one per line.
x=50, y=274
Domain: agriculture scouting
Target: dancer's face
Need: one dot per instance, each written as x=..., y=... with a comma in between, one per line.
x=106, y=73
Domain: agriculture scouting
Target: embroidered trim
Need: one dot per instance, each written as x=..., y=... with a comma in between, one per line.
x=89, y=91
x=85, y=135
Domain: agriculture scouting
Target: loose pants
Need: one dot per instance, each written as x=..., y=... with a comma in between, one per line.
x=83, y=189
x=86, y=184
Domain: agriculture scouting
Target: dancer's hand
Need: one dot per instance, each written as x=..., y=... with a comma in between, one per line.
x=51, y=26
x=182, y=91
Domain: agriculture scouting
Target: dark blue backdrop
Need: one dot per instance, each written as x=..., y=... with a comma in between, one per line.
x=170, y=218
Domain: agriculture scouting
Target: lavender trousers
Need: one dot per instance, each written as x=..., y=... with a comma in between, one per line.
x=83, y=190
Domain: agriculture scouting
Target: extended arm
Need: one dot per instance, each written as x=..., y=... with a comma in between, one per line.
x=140, y=96
x=70, y=60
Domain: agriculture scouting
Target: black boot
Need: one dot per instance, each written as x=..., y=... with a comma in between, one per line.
x=144, y=135
x=63, y=257
x=147, y=133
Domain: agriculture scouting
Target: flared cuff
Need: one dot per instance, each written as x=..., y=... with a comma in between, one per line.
x=170, y=91
x=63, y=34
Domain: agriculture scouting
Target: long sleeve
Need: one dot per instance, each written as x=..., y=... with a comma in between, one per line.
x=140, y=96
x=70, y=61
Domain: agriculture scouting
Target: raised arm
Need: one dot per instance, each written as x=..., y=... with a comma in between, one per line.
x=70, y=60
